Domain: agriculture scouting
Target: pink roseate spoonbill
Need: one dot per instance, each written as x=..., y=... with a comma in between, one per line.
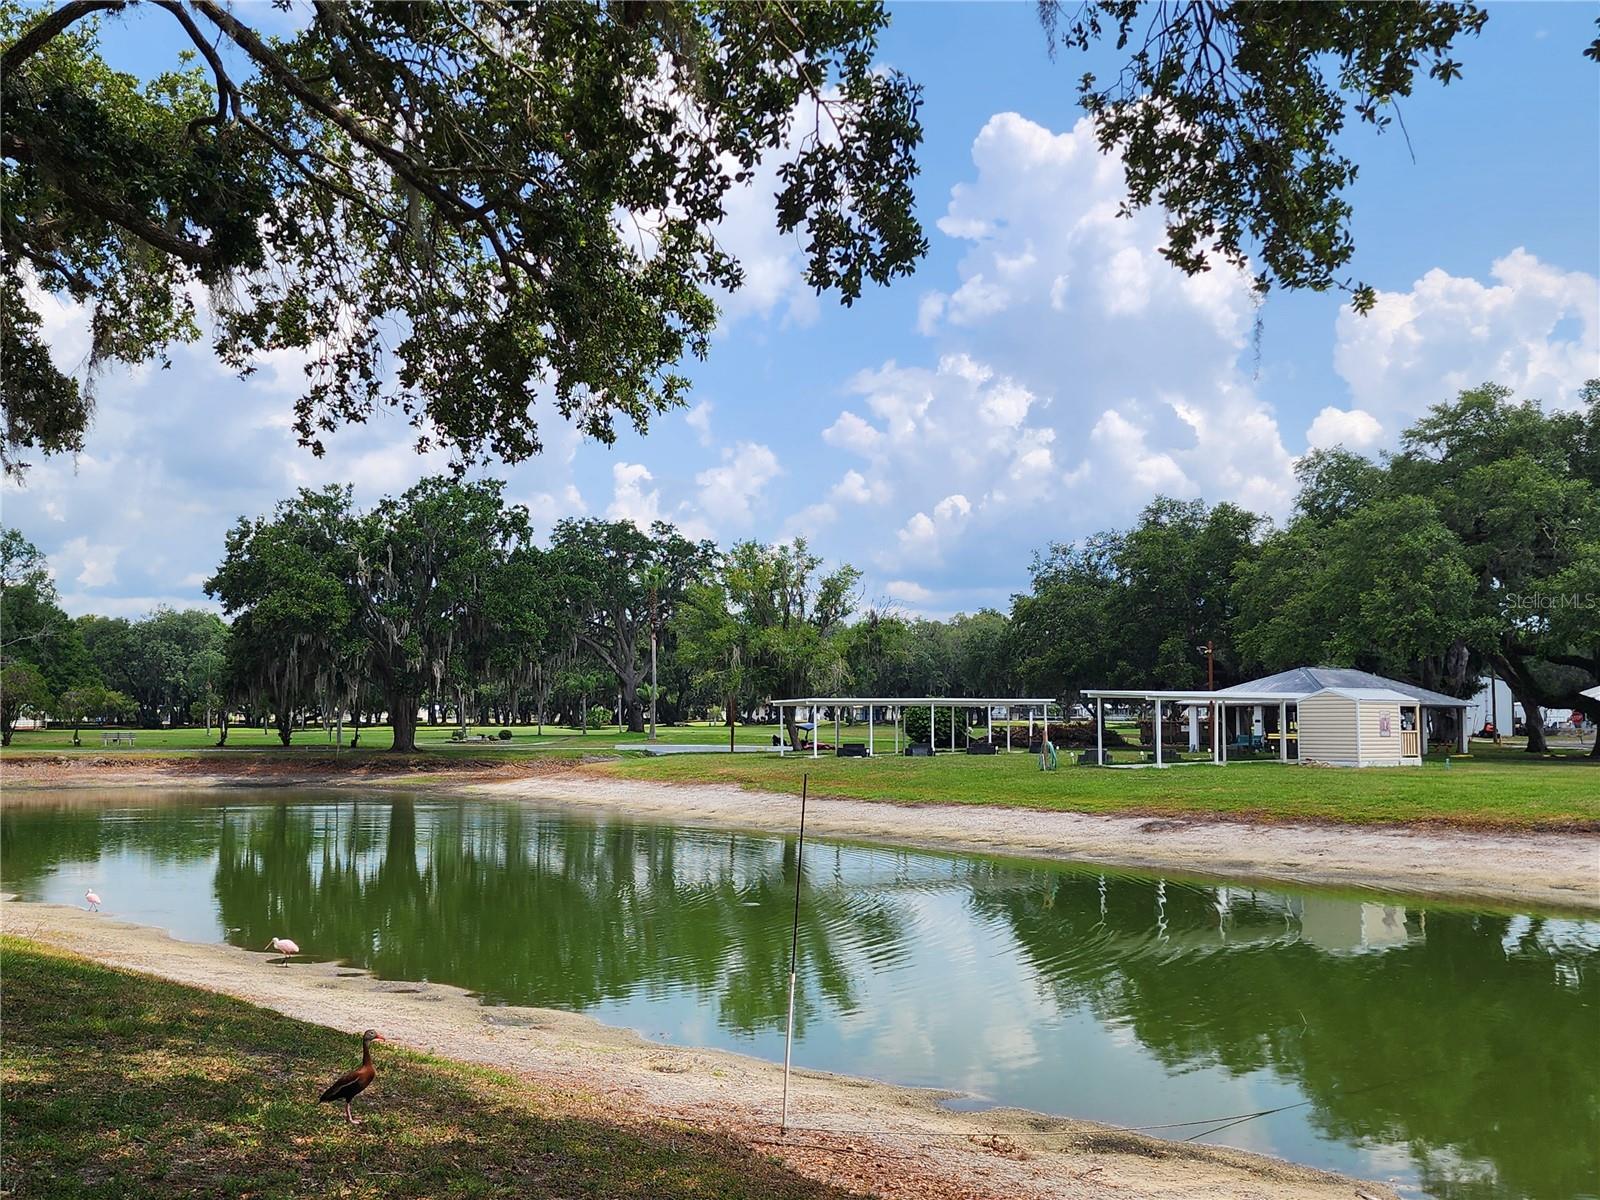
x=92, y=899
x=284, y=947
x=352, y=1083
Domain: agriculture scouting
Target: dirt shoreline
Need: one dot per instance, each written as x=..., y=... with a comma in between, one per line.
x=856, y=1133
x=1546, y=870
x=1549, y=870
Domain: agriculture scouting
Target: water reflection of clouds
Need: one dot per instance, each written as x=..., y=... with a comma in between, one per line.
x=140, y=887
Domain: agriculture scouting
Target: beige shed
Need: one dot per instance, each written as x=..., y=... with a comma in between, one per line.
x=1360, y=727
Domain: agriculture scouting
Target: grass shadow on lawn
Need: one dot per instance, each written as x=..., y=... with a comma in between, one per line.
x=119, y=1085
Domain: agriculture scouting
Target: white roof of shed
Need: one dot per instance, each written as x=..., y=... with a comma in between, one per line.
x=1388, y=695
x=1307, y=681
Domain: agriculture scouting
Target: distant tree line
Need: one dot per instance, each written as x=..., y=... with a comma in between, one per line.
x=168, y=667
x=1475, y=546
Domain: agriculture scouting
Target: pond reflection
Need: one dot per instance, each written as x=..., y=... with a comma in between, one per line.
x=1454, y=1051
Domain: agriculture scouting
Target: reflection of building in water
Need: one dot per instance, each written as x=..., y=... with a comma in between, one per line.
x=1353, y=925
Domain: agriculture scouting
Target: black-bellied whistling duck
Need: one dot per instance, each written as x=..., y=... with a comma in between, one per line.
x=352, y=1083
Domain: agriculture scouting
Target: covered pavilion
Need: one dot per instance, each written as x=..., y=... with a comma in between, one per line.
x=1194, y=701
x=1036, y=706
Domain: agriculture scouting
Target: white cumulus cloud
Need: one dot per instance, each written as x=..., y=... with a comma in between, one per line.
x=727, y=491
x=1533, y=327
x=631, y=499
x=1352, y=428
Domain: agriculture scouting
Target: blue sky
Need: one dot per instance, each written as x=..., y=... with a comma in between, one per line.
x=1041, y=376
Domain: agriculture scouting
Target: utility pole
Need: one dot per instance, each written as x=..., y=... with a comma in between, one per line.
x=1211, y=666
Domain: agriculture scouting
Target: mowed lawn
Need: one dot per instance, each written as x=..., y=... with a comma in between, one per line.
x=118, y=1085
x=1496, y=787
x=380, y=737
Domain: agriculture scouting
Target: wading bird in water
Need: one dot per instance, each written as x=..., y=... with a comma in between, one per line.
x=352, y=1083
x=284, y=947
x=92, y=899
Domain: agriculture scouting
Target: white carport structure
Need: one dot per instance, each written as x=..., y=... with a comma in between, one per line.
x=1194, y=701
x=1037, y=707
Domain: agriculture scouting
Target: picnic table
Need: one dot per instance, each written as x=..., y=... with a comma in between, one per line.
x=116, y=737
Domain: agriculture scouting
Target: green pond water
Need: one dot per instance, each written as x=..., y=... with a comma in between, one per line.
x=1455, y=1053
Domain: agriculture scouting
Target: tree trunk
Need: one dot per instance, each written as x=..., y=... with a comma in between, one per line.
x=222, y=727
x=731, y=721
x=285, y=725
x=631, y=702
x=403, y=716
x=1523, y=691
x=1533, y=716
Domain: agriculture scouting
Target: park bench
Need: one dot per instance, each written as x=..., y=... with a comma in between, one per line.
x=116, y=737
x=851, y=750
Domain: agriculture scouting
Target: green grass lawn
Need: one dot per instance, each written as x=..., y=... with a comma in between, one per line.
x=118, y=1085
x=381, y=737
x=1497, y=787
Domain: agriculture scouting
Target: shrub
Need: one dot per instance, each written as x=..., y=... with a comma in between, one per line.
x=916, y=724
x=1081, y=733
x=600, y=716
x=505, y=735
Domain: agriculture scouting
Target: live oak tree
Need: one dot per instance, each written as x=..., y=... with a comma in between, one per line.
x=475, y=211
x=1139, y=604
x=1517, y=487
x=1385, y=588
x=1062, y=629
x=287, y=582
x=620, y=579
x=437, y=576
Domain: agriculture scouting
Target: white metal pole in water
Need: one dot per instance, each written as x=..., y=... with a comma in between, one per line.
x=794, y=954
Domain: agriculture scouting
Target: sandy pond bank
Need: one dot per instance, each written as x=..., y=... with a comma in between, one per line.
x=853, y=1132
x=1547, y=870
